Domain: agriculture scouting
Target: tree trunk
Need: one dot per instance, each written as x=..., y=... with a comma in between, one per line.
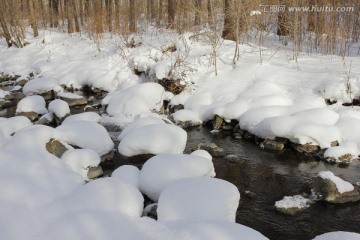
x=5, y=30
x=69, y=16
x=132, y=16
x=171, y=14
x=117, y=15
x=197, y=12
x=33, y=22
x=76, y=15
x=229, y=24
x=209, y=11
x=283, y=24
x=109, y=13
x=54, y=13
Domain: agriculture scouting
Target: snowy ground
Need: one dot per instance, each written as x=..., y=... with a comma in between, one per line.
x=272, y=94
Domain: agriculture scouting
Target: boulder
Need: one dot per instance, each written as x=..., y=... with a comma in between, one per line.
x=73, y=99
x=30, y=115
x=333, y=189
x=292, y=205
x=94, y=172
x=55, y=147
x=213, y=149
x=218, y=121
x=306, y=148
x=49, y=95
x=272, y=145
x=175, y=108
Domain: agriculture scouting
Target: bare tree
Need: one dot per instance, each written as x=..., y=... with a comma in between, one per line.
x=171, y=14
x=132, y=16
x=229, y=24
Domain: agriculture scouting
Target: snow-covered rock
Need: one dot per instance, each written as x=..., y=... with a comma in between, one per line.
x=198, y=199
x=59, y=108
x=81, y=160
x=135, y=100
x=40, y=85
x=338, y=236
x=85, y=116
x=187, y=118
x=153, y=139
x=72, y=99
x=334, y=189
x=104, y=194
x=8, y=126
x=161, y=170
x=34, y=103
x=127, y=173
x=85, y=134
x=292, y=204
x=139, y=122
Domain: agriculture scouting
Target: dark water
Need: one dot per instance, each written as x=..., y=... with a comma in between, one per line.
x=273, y=175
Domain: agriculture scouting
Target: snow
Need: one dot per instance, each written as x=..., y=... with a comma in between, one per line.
x=161, y=170
x=135, y=100
x=68, y=95
x=348, y=147
x=153, y=139
x=85, y=116
x=296, y=201
x=8, y=126
x=34, y=103
x=341, y=185
x=80, y=160
x=127, y=173
x=138, y=123
x=85, y=134
x=105, y=194
x=185, y=115
x=338, y=236
x=202, y=153
x=59, y=107
x=199, y=198
x=3, y=93
x=40, y=85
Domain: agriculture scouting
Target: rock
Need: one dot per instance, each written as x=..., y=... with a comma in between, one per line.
x=91, y=109
x=292, y=205
x=250, y=195
x=333, y=189
x=218, y=121
x=74, y=101
x=248, y=136
x=188, y=124
x=94, y=172
x=334, y=143
x=30, y=115
x=173, y=86
x=175, y=108
x=151, y=211
x=49, y=95
x=237, y=136
x=305, y=148
x=213, y=149
x=282, y=140
x=22, y=82
x=107, y=157
x=269, y=144
x=139, y=159
x=346, y=157
x=227, y=127
x=9, y=97
x=55, y=147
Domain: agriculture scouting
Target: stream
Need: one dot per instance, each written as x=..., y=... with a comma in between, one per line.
x=270, y=176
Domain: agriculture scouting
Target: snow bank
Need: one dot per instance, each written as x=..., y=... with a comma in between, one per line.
x=8, y=126
x=127, y=173
x=80, y=160
x=341, y=185
x=199, y=199
x=85, y=116
x=163, y=169
x=154, y=139
x=59, y=107
x=32, y=104
x=338, y=236
x=85, y=134
x=135, y=100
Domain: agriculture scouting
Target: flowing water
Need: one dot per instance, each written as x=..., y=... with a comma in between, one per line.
x=272, y=175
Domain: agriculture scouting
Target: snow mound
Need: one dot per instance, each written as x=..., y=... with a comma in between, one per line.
x=161, y=170
x=80, y=160
x=68, y=95
x=153, y=139
x=127, y=173
x=338, y=152
x=8, y=126
x=34, y=103
x=40, y=85
x=202, y=153
x=296, y=201
x=85, y=134
x=85, y=116
x=105, y=194
x=338, y=236
x=199, y=198
x=135, y=100
x=140, y=122
x=341, y=185
x=59, y=107
x=186, y=115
